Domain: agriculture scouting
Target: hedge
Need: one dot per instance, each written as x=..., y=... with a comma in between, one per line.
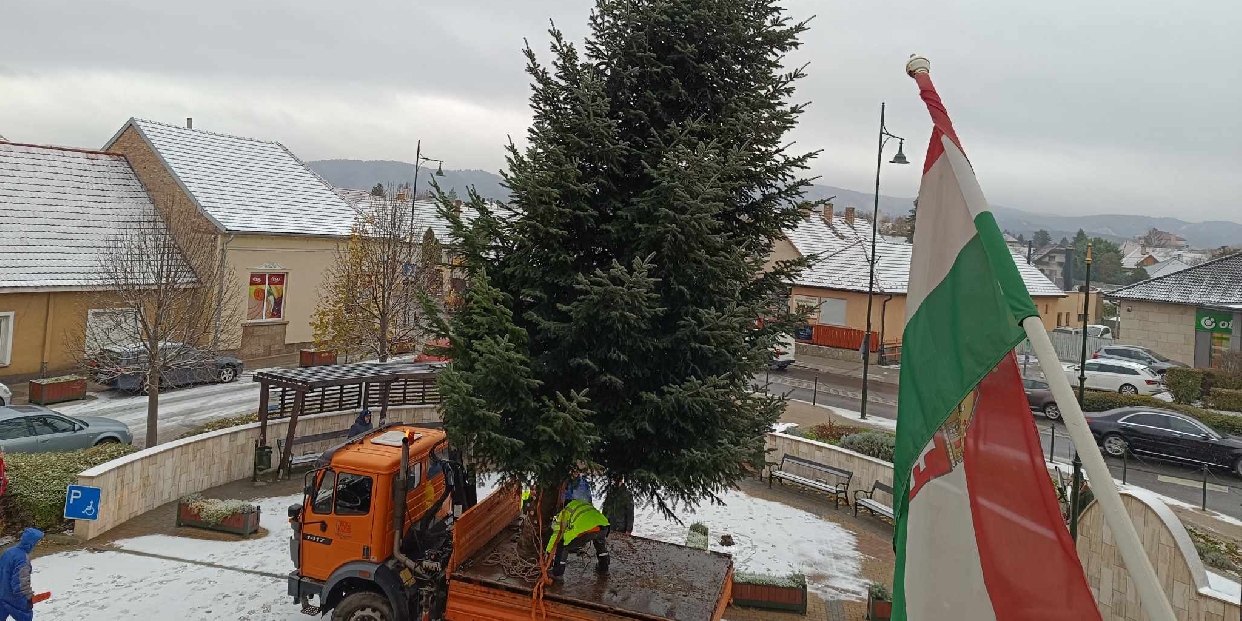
x=37, y=483
x=1096, y=401
x=871, y=443
x=1224, y=399
x=222, y=423
x=1185, y=384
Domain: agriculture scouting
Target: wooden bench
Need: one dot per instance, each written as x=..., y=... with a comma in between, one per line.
x=307, y=457
x=871, y=504
x=838, y=489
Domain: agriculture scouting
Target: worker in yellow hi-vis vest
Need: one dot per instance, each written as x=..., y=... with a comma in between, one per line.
x=578, y=523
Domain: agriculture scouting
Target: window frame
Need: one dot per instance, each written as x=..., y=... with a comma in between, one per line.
x=314, y=504
x=33, y=422
x=8, y=319
x=366, y=509
x=267, y=285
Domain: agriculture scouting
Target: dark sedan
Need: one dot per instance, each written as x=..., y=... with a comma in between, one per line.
x=125, y=367
x=1039, y=397
x=1164, y=434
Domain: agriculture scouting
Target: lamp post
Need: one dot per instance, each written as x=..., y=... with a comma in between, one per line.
x=1082, y=387
x=900, y=158
x=419, y=158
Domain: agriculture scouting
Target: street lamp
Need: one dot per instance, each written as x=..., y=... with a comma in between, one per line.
x=419, y=158
x=900, y=158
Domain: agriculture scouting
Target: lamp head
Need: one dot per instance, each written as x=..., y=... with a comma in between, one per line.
x=900, y=158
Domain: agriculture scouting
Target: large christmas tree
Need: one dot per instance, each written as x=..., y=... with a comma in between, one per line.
x=619, y=304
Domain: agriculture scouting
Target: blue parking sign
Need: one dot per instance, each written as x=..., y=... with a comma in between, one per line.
x=82, y=502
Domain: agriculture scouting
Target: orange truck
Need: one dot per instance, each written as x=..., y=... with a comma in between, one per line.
x=388, y=530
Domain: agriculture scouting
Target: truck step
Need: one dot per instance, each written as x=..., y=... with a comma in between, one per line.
x=307, y=609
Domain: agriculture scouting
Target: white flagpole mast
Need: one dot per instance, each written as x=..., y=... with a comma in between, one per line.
x=1151, y=594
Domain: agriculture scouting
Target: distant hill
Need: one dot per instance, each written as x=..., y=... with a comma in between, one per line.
x=1211, y=234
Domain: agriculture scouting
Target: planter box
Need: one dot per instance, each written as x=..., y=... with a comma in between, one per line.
x=316, y=358
x=238, y=523
x=770, y=597
x=70, y=388
x=879, y=610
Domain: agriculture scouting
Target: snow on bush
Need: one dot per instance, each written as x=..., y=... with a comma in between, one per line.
x=37, y=484
x=213, y=511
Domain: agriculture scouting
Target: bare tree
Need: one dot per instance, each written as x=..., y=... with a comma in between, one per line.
x=370, y=299
x=163, y=294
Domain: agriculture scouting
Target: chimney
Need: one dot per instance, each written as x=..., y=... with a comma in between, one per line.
x=827, y=214
x=457, y=206
x=849, y=216
x=189, y=122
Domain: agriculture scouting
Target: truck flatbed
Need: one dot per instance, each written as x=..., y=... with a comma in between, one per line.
x=648, y=580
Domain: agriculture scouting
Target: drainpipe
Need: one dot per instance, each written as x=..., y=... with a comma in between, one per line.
x=224, y=253
x=883, y=315
x=47, y=334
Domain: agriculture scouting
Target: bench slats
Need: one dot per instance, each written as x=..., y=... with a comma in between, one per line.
x=839, y=491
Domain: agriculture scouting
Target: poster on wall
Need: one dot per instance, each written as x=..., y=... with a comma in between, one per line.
x=266, y=299
x=257, y=297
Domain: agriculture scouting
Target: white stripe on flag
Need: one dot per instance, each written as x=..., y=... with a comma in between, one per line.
x=940, y=586
x=946, y=227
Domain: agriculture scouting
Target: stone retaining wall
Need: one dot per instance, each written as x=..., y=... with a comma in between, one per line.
x=142, y=481
x=867, y=470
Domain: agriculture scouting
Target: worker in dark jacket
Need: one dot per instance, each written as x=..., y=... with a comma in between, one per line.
x=362, y=424
x=16, y=596
x=578, y=523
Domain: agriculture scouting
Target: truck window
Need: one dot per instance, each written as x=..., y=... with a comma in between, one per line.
x=353, y=494
x=323, y=496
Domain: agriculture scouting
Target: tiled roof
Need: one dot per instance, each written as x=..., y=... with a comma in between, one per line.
x=246, y=185
x=426, y=214
x=1164, y=268
x=1217, y=282
x=61, y=208
x=844, y=248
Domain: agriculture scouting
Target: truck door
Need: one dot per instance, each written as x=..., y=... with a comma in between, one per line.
x=338, y=522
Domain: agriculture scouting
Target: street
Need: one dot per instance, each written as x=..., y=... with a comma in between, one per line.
x=832, y=390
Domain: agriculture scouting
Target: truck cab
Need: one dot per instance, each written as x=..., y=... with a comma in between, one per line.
x=357, y=511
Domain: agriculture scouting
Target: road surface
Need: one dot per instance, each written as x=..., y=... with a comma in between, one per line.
x=832, y=390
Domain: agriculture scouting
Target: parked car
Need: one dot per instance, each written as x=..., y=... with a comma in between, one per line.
x=784, y=353
x=1165, y=434
x=1153, y=360
x=36, y=429
x=125, y=367
x=6, y=395
x=1095, y=330
x=1123, y=376
x=1039, y=396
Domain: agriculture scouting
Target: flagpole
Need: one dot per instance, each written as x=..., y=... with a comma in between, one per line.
x=1151, y=594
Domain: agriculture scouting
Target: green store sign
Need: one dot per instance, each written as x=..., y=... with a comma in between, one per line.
x=1213, y=321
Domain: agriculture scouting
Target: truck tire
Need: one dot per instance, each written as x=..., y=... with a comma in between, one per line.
x=363, y=606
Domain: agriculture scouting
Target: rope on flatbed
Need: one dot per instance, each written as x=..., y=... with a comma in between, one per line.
x=514, y=565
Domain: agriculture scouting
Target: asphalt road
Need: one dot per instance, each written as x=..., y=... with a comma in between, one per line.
x=839, y=391
x=1176, y=480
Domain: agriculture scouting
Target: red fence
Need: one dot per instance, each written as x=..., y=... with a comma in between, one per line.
x=843, y=338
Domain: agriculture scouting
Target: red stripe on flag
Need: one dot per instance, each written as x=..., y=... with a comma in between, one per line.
x=1030, y=566
x=941, y=125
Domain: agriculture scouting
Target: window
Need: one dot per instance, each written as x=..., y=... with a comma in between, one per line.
x=1126, y=370
x=44, y=425
x=832, y=311
x=266, y=299
x=353, y=494
x=323, y=497
x=1037, y=385
x=1148, y=419
x=6, y=338
x=1182, y=425
x=13, y=429
x=1092, y=366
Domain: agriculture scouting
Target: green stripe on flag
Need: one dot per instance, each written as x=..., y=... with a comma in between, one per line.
x=960, y=332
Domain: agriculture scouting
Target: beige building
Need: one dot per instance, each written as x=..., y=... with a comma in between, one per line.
x=61, y=209
x=1189, y=315
x=834, y=290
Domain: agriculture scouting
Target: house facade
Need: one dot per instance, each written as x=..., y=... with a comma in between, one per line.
x=1189, y=315
x=62, y=208
x=834, y=290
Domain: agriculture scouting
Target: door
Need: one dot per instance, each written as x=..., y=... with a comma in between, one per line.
x=1148, y=432
x=53, y=433
x=16, y=436
x=1096, y=376
x=337, y=528
x=1191, y=443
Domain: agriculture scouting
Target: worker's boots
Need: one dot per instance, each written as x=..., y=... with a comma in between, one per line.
x=601, y=565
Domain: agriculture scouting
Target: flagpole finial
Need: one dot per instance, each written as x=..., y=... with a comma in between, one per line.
x=916, y=65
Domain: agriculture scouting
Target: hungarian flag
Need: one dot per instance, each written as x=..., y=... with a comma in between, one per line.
x=979, y=531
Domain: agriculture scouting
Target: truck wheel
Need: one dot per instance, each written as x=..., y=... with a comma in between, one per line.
x=363, y=606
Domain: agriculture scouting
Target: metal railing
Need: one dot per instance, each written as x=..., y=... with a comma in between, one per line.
x=349, y=397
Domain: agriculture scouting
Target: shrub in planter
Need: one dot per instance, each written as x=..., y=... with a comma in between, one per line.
x=879, y=602
x=1221, y=378
x=871, y=443
x=230, y=516
x=771, y=592
x=37, y=481
x=1224, y=399
x=1185, y=384
x=56, y=389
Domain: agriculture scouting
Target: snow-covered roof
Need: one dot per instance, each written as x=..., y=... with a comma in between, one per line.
x=1165, y=268
x=246, y=185
x=426, y=211
x=61, y=209
x=1217, y=282
x=844, y=248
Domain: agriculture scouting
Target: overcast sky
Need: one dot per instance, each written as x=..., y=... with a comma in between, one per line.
x=1064, y=106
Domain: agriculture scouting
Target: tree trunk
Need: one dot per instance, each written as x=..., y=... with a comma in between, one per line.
x=153, y=404
x=382, y=338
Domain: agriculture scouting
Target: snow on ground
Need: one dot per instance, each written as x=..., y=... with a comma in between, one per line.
x=875, y=422
x=1225, y=586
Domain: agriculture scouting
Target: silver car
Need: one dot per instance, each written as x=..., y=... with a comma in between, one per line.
x=36, y=429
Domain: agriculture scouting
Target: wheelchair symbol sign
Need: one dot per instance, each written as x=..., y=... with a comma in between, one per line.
x=82, y=502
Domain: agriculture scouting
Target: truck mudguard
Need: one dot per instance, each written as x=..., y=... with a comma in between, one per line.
x=386, y=579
